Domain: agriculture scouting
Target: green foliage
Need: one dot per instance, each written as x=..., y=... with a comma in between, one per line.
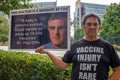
x=117, y=48
x=26, y=66
x=7, y=5
x=3, y=29
x=3, y=25
x=79, y=33
x=113, y=38
x=3, y=38
x=111, y=21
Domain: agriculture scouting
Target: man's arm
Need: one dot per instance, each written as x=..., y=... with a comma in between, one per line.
x=116, y=74
x=57, y=60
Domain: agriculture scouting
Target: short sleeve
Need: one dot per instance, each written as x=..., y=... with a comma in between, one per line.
x=115, y=59
x=67, y=57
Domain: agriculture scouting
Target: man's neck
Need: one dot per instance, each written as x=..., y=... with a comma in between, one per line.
x=90, y=38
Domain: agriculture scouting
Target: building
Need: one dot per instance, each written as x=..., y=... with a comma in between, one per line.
x=85, y=8
x=44, y=4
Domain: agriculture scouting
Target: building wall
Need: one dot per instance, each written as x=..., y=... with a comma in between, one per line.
x=86, y=8
x=44, y=4
x=93, y=8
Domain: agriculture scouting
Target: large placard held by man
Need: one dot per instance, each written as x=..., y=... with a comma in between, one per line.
x=31, y=28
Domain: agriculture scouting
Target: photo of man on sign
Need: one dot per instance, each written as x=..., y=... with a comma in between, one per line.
x=57, y=29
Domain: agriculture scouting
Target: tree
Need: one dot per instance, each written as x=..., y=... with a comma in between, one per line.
x=7, y=5
x=3, y=25
x=111, y=23
x=78, y=34
x=3, y=38
x=3, y=29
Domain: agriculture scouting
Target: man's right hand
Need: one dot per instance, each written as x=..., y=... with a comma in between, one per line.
x=41, y=50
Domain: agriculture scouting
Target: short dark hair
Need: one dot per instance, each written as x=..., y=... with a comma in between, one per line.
x=61, y=15
x=85, y=17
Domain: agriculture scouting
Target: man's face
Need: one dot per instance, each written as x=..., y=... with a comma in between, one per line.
x=91, y=27
x=57, y=31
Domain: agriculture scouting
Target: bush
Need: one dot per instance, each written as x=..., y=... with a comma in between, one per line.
x=3, y=38
x=114, y=39
x=26, y=66
x=117, y=48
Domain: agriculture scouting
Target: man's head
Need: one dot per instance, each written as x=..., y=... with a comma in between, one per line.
x=91, y=25
x=85, y=17
x=57, y=28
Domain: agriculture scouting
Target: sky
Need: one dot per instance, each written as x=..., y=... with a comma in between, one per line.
x=71, y=3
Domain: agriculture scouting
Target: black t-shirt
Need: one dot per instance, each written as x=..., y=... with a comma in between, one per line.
x=91, y=59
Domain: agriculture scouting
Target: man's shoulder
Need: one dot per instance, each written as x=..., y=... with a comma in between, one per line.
x=77, y=42
x=104, y=41
x=49, y=45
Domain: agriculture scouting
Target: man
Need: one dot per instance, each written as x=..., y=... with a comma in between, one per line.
x=91, y=56
x=57, y=28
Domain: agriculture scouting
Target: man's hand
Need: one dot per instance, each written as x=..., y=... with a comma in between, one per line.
x=41, y=49
x=57, y=60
